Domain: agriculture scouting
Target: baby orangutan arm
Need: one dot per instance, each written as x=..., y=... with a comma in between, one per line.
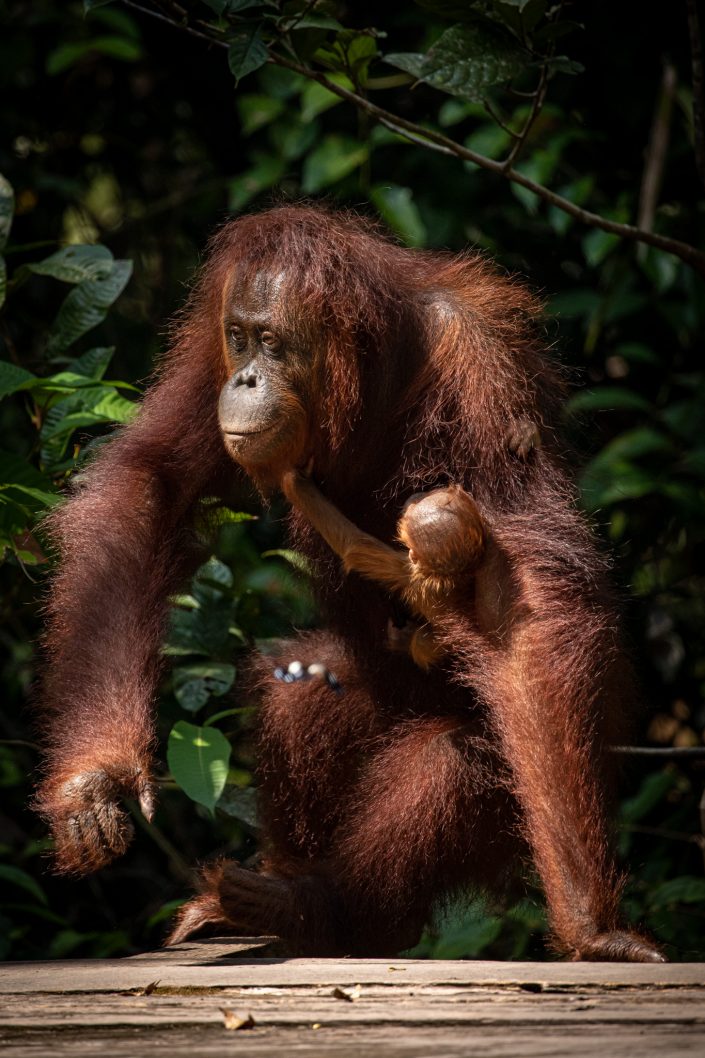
x=359, y=551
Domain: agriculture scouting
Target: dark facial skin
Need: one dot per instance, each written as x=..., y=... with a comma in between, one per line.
x=262, y=412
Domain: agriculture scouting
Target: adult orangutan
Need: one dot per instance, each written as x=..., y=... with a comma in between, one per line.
x=312, y=339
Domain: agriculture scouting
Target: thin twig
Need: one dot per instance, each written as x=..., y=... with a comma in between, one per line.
x=536, y=106
x=657, y=150
x=498, y=121
x=696, y=57
x=434, y=140
x=674, y=752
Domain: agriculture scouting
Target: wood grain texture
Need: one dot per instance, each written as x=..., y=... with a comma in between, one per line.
x=346, y=1008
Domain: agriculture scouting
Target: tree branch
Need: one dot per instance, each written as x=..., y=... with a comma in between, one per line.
x=433, y=140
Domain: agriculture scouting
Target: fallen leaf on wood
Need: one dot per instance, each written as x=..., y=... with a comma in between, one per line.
x=232, y=1021
x=146, y=991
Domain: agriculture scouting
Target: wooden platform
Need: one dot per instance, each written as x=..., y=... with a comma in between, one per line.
x=225, y=998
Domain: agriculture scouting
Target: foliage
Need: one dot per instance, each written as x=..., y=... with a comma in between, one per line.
x=118, y=167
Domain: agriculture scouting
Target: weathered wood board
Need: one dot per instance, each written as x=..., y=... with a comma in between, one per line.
x=180, y=1002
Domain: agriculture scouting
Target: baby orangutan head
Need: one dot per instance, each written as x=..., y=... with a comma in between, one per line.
x=443, y=531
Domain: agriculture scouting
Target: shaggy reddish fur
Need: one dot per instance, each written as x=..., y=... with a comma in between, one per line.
x=408, y=787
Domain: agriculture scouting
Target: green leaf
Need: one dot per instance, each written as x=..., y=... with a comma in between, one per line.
x=652, y=791
x=294, y=558
x=265, y=173
x=46, y=499
x=87, y=305
x=198, y=759
x=87, y=407
x=240, y=804
x=608, y=398
x=351, y=53
x=67, y=54
x=331, y=161
x=562, y=64
x=7, y=207
x=89, y=5
x=94, y=363
x=466, y=60
x=597, y=245
x=17, y=470
x=684, y=890
x=73, y=264
x=20, y=878
x=316, y=98
x=13, y=378
x=195, y=684
x=411, y=62
x=247, y=52
x=397, y=207
x=258, y=110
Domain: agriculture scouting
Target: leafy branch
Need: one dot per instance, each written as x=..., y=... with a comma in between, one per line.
x=431, y=139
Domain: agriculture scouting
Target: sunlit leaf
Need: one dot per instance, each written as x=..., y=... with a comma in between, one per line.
x=198, y=759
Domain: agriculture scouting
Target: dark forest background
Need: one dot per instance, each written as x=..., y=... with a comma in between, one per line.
x=125, y=140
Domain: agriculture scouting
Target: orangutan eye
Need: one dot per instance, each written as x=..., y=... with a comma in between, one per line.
x=270, y=340
x=237, y=337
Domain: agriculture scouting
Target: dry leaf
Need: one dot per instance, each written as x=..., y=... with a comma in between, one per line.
x=146, y=991
x=233, y=1021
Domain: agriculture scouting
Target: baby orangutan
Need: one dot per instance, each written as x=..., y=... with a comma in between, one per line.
x=443, y=532
x=445, y=537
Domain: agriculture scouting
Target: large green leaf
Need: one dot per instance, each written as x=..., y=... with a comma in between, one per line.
x=86, y=306
x=466, y=60
x=198, y=759
x=7, y=206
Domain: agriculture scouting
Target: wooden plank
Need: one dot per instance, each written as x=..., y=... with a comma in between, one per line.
x=365, y=1005
x=213, y=966
x=479, y=1042
x=347, y=1008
